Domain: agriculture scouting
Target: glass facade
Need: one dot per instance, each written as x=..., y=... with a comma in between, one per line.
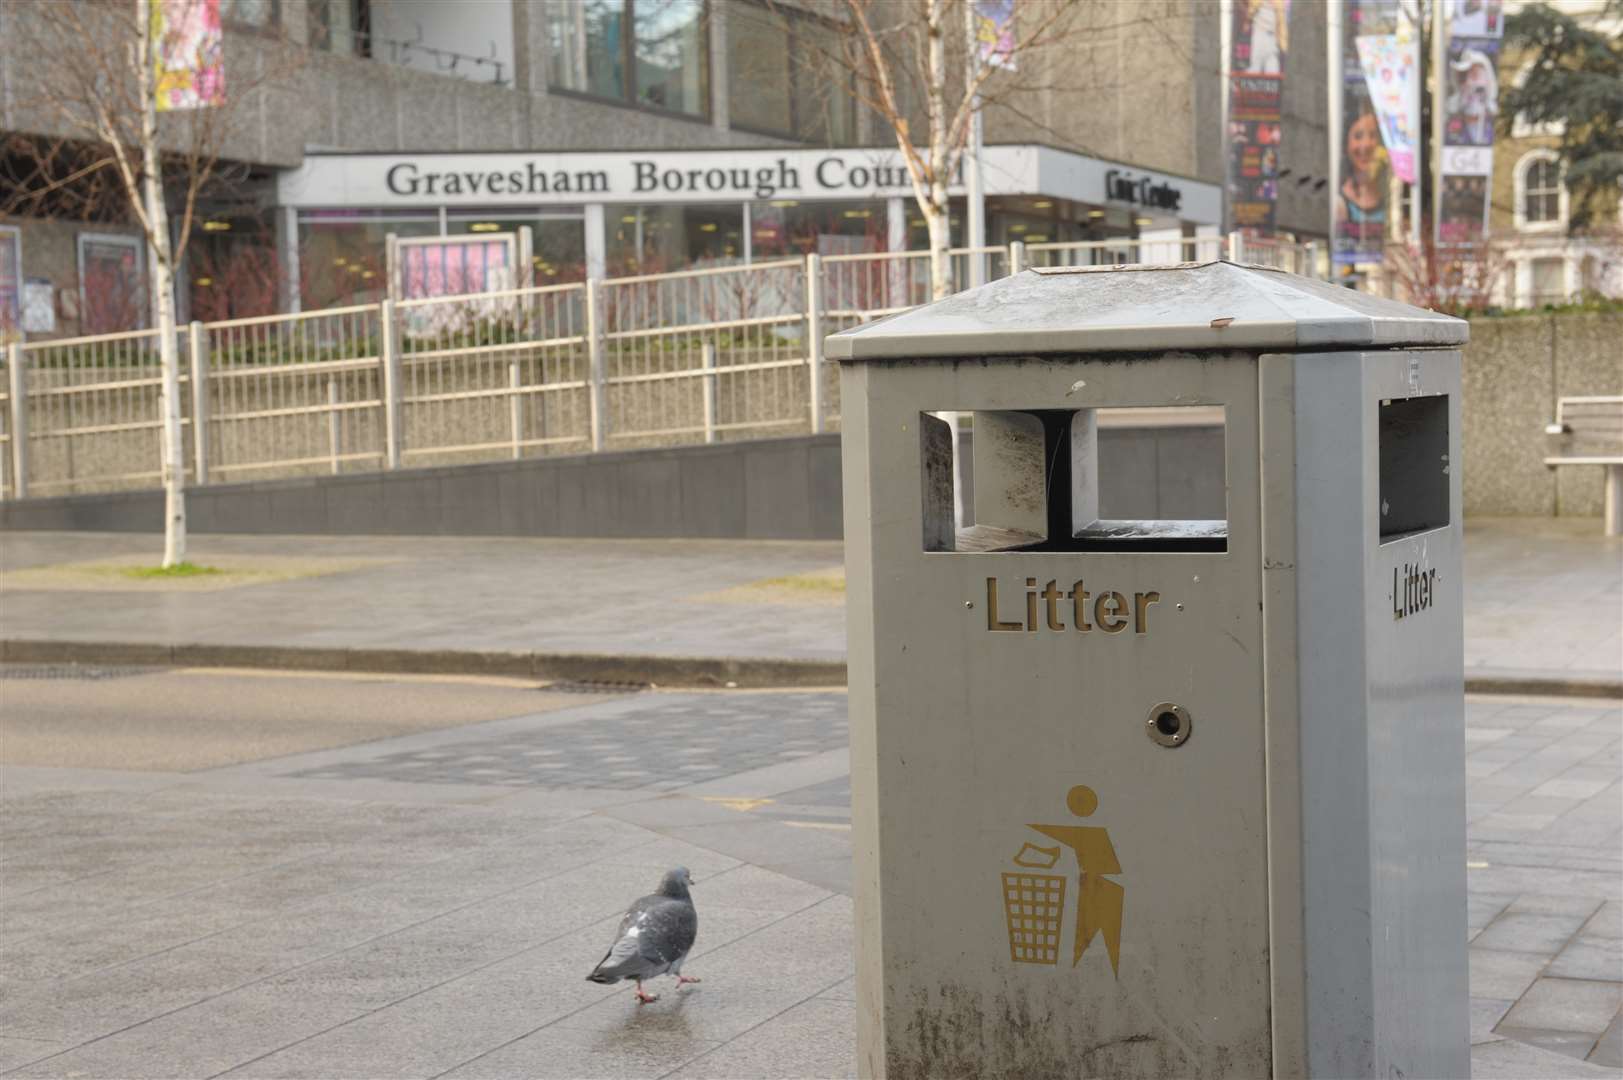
x=654, y=239
x=557, y=238
x=341, y=253
x=257, y=14
x=339, y=26
x=232, y=267
x=784, y=228
x=645, y=52
x=779, y=80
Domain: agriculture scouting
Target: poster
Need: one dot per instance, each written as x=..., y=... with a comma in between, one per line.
x=1256, y=74
x=188, y=54
x=1363, y=164
x=1391, y=65
x=1478, y=18
x=994, y=32
x=39, y=306
x=1470, y=113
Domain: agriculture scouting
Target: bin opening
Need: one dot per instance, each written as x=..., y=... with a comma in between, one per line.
x=1413, y=436
x=1076, y=480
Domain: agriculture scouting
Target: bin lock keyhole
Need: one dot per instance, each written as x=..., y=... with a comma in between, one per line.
x=1168, y=724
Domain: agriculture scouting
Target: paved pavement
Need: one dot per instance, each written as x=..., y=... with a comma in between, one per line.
x=427, y=904
x=290, y=876
x=1543, y=597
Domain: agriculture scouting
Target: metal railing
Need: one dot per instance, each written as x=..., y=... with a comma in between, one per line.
x=654, y=360
x=1124, y=251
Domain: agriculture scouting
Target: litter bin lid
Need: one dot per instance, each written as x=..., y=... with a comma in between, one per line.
x=1199, y=305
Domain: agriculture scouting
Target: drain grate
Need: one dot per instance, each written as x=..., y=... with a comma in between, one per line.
x=71, y=671
x=587, y=686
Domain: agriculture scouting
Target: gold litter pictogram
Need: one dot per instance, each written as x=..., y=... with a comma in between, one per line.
x=1034, y=904
x=1035, y=907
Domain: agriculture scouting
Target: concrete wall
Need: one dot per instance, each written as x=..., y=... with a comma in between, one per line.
x=1515, y=369
x=775, y=489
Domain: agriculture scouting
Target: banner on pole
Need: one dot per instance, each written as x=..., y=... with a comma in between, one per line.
x=188, y=54
x=1363, y=164
x=994, y=32
x=1260, y=40
x=1391, y=66
x=1470, y=111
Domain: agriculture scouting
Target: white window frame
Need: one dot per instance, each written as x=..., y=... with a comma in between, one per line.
x=1523, y=166
x=141, y=268
x=1526, y=297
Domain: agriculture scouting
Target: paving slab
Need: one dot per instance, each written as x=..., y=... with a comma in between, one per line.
x=497, y=601
x=410, y=933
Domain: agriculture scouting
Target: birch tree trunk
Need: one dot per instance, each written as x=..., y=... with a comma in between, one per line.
x=162, y=274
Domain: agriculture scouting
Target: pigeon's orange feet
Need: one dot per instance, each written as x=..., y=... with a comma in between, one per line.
x=680, y=979
x=644, y=997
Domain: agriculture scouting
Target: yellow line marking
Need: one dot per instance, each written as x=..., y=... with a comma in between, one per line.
x=741, y=805
x=838, y=826
x=1476, y=866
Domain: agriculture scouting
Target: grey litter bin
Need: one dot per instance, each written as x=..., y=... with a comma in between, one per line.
x=1157, y=796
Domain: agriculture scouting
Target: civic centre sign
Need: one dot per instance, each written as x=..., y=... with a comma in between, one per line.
x=328, y=181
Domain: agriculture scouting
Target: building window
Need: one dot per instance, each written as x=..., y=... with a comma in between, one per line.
x=655, y=239
x=779, y=77
x=651, y=53
x=788, y=228
x=340, y=26
x=557, y=237
x=112, y=288
x=253, y=14
x=1541, y=192
x=342, y=256
x=1548, y=280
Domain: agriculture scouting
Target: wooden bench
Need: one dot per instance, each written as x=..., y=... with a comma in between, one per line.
x=1589, y=431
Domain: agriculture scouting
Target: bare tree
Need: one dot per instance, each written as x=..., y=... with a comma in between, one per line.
x=95, y=71
x=915, y=65
x=1459, y=279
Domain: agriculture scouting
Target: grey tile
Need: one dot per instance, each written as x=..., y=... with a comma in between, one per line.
x=1542, y=934
x=1607, y=922
x=1536, y=904
x=1503, y=975
x=815, y=1038
x=630, y=1050
x=1567, y=1043
x=1507, y=1059
x=1609, y=1049
x=17, y=1052
x=1575, y=1005
x=1590, y=958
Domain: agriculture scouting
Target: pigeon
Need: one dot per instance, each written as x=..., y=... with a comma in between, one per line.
x=654, y=937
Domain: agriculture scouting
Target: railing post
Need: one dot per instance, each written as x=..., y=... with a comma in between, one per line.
x=334, y=434
x=814, y=339
x=197, y=347
x=594, y=361
x=709, y=362
x=1017, y=256
x=389, y=356
x=515, y=407
x=19, y=419
x=1234, y=252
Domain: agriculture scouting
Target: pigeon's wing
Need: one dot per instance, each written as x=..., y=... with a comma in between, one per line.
x=640, y=947
x=668, y=931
